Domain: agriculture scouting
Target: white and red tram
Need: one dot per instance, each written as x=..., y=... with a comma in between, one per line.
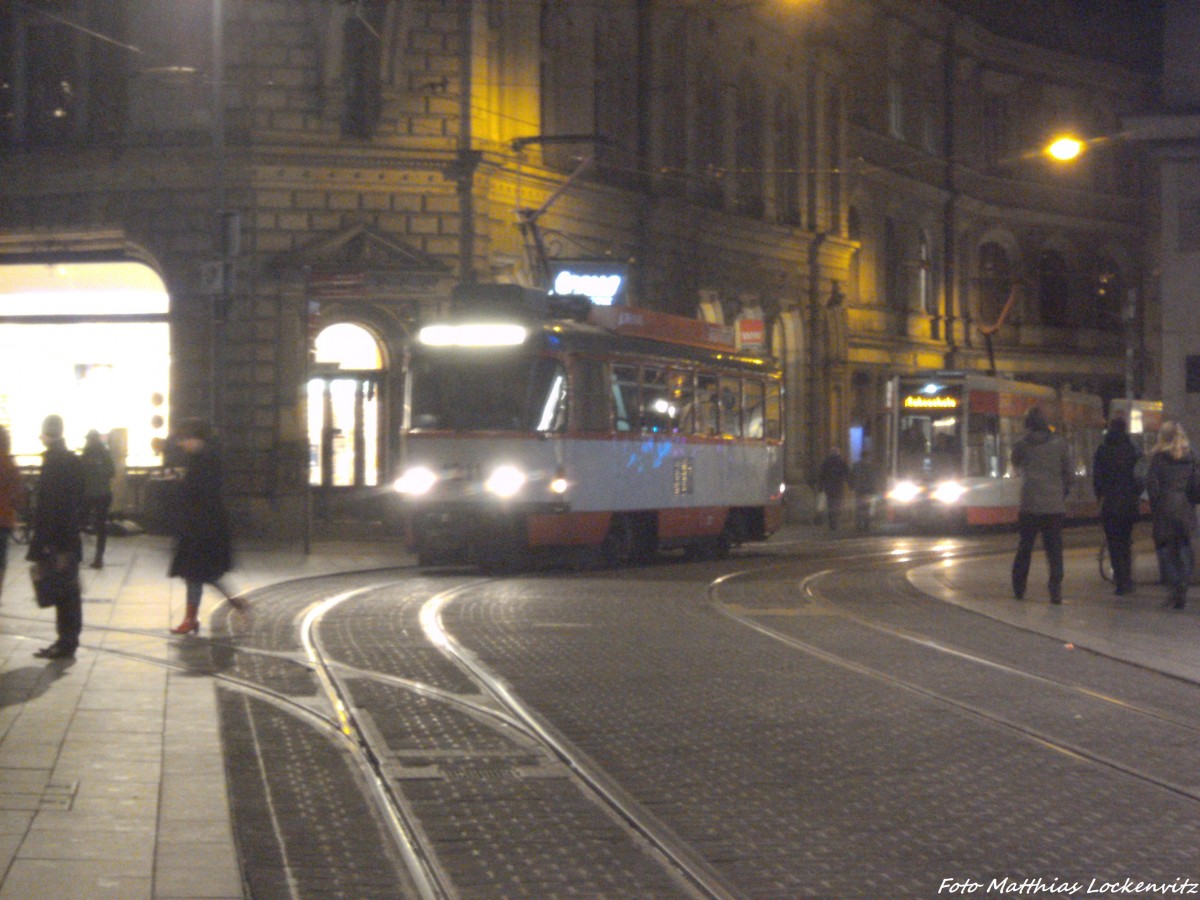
x=535, y=429
x=951, y=439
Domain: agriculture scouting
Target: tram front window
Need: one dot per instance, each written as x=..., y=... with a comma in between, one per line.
x=472, y=390
x=929, y=446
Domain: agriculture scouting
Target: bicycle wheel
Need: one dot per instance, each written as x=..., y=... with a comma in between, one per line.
x=1105, y=563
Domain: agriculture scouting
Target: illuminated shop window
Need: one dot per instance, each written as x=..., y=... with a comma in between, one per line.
x=103, y=374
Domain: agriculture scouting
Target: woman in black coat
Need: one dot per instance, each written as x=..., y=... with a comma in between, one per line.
x=1173, y=515
x=1120, y=494
x=204, y=544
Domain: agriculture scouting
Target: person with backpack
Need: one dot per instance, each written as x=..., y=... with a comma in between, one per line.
x=1114, y=478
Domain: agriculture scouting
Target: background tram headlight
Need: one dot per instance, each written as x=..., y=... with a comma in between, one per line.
x=905, y=492
x=948, y=492
x=415, y=481
x=505, y=481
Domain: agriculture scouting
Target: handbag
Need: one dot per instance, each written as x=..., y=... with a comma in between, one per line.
x=50, y=583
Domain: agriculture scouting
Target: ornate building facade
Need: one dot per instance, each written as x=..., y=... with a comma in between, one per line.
x=857, y=181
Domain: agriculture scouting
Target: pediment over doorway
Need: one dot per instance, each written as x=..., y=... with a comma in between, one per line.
x=365, y=260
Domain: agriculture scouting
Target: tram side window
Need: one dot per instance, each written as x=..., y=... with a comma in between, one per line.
x=731, y=407
x=752, y=408
x=658, y=411
x=547, y=401
x=627, y=407
x=707, y=412
x=588, y=384
x=983, y=447
x=683, y=394
x=773, y=412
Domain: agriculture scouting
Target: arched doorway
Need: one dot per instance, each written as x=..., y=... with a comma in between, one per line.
x=344, y=417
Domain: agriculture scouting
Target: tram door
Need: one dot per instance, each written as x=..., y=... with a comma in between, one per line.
x=343, y=423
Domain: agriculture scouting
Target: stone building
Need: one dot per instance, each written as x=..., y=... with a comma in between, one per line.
x=302, y=181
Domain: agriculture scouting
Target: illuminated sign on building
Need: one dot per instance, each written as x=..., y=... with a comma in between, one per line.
x=915, y=401
x=603, y=282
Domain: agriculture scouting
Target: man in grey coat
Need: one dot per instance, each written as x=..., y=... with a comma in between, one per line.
x=1044, y=461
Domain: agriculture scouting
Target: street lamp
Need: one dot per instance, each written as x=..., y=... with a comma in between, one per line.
x=1065, y=148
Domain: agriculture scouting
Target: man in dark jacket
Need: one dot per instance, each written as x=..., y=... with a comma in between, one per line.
x=55, y=544
x=833, y=476
x=1119, y=493
x=1044, y=461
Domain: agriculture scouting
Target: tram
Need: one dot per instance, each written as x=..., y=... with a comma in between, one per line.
x=539, y=425
x=951, y=439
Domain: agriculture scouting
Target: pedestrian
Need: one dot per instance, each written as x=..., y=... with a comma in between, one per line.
x=98, y=473
x=1044, y=461
x=55, y=547
x=833, y=476
x=1172, y=484
x=864, y=483
x=204, y=545
x=1114, y=478
x=12, y=498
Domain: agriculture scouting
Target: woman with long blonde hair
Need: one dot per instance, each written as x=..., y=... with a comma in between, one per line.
x=1172, y=470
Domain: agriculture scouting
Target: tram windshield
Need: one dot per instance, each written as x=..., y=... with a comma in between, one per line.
x=493, y=389
x=929, y=435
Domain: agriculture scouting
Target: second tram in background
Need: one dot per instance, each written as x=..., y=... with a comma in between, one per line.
x=541, y=425
x=951, y=440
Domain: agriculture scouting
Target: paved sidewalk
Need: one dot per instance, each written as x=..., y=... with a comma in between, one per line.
x=1136, y=628
x=112, y=781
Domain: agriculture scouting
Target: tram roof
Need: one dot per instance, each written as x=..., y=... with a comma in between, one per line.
x=573, y=322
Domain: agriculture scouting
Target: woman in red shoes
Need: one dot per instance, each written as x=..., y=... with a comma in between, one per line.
x=204, y=545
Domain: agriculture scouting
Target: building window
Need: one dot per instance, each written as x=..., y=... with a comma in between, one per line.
x=58, y=84
x=925, y=275
x=995, y=130
x=893, y=280
x=895, y=101
x=787, y=160
x=1109, y=295
x=748, y=148
x=710, y=138
x=1054, y=290
x=995, y=282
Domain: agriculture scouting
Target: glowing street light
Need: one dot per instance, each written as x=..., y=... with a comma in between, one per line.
x=1065, y=149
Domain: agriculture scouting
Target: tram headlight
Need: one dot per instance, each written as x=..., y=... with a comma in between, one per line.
x=948, y=492
x=505, y=481
x=904, y=491
x=416, y=481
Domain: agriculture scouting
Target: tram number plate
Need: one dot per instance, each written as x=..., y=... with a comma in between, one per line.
x=683, y=476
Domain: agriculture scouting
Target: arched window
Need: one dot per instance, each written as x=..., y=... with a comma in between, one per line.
x=348, y=347
x=995, y=282
x=344, y=409
x=1054, y=290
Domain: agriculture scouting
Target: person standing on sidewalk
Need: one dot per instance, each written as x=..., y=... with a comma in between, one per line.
x=832, y=476
x=1172, y=512
x=55, y=546
x=204, y=543
x=98, y=473
x=1043, y=459
x=1119, y=493
x=12, y=498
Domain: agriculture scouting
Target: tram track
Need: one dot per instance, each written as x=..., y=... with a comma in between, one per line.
x=356, y=735
x=821, y=604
